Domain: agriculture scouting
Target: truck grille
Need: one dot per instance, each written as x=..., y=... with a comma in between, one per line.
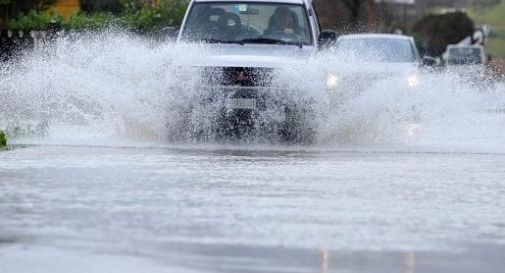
x=238, y=76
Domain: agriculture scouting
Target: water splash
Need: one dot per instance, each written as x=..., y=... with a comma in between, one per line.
x=114, y=88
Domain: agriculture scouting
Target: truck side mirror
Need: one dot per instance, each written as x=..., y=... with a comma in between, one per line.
x=327, y=38
x=171, y=32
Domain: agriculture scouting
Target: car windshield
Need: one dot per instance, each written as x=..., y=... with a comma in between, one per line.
x=239, y=22
x=465, y=55
x=376, y=50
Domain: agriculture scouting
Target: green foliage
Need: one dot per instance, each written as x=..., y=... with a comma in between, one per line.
x=438, y=31
x=134, y=16
x=169, y=13
x=174, y=9
x=34, y=20
x=143, y=19
x=81, y=21
x=496, y=45
x=3, y=140
x=131, y=6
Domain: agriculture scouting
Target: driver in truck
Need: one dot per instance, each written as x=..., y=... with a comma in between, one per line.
x=282, y=21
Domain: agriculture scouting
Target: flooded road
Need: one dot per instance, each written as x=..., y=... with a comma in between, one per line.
x=256, y=209
x=399, y=179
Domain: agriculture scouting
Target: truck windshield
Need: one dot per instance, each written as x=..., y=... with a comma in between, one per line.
x=376, y=50
x=243, y=22
x=464, y=55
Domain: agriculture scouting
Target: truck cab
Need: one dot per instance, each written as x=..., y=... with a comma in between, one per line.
x=246, y=43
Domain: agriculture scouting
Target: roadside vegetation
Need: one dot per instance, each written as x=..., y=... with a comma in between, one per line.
x=494, y=16
x=133, y=15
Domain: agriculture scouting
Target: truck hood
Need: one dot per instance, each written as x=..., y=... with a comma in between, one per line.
x=247, y=55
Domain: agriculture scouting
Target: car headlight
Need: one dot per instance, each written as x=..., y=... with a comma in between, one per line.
x=332, y=81
x=413, y=80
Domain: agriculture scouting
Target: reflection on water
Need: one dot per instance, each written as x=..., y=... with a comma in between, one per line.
x=410, y=261
x=325, y=260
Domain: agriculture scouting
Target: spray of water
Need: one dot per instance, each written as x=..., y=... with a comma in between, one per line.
x=115, y=88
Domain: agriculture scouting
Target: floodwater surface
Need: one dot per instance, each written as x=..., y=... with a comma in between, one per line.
x=232, y=209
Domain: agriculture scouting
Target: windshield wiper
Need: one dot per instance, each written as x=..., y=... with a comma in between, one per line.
x=263, y=40
x=218, y=41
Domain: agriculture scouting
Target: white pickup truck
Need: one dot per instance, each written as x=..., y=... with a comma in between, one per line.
x=246, y=42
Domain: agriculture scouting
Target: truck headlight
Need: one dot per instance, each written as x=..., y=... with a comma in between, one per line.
x=413, y=80
x=332, y=81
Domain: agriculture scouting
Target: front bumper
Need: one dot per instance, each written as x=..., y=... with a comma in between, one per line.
x=262, y=111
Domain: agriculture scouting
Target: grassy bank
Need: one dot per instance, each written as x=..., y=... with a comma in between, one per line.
x=494, y=16
x=3, y=140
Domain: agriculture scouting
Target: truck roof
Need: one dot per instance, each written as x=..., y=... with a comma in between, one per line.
x=260, y=1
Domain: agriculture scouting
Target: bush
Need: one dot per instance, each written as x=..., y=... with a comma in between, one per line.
x=169, y=13
x=3, y=140
x=82, y=21
x=436, y=32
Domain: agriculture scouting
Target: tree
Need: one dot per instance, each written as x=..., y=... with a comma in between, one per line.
x=438, y=31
